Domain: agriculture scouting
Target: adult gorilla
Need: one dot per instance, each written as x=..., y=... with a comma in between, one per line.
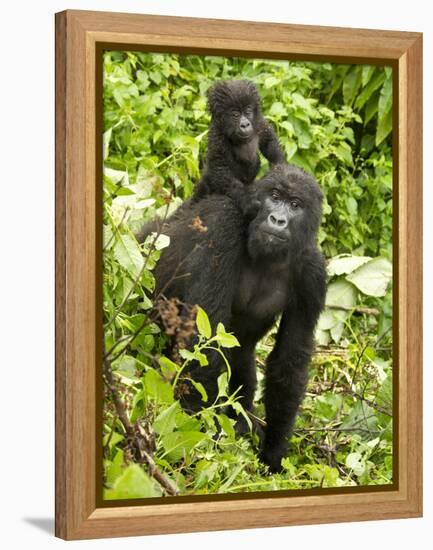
x=245, y=274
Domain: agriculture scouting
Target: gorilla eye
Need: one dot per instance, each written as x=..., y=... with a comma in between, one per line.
x=295, y=204
x=235, y=113
x=249, y=111
x=275, y=194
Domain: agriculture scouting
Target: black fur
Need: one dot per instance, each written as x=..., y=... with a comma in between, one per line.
x=245, y=274
x=237, y=132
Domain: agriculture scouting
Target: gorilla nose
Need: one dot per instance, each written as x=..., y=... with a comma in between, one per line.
x=245, y=124
x=277, y=221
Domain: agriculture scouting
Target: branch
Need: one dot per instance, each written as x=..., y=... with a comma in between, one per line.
x=139, y=440
x=367, y=310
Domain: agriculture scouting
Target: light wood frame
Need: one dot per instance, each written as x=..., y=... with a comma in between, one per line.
x=80, y=36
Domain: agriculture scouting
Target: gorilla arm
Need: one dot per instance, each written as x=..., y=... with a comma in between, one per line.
x=287, y=365
x=269, y=145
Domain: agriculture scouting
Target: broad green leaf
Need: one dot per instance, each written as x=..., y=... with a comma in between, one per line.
x=156, y=388
x=271, y=81
x=356, y=462
x=345, y=264
x=222, y=384
x=162, y=241
x=341, y=293
x=114, y=469
x=178, y=445
x=106, y=142
x=367, y=93
x=126, y=366
x=165, y=422
x=277, y=109
x=344, y=153
x=168, y=367
x=227, y=425
x=187, y=355
x=116, y=176
x=384, y=395
x=352, y=206
x=330, y=318
x=373, y=277
x=112, y=438
x=225, y=339
x=201, y=358
x=367, y=73
x=133, y=483
x=204, y=472
x=203, y=324
x=127, y=252
x=351, y=84
x=238, y=408
x=384, y=125
x=322, y=337
x=200, y=388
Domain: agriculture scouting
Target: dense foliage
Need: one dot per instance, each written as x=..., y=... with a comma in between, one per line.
x=333, y=120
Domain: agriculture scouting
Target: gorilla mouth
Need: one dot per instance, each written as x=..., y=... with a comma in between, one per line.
x=275, y=236
x=245, y=135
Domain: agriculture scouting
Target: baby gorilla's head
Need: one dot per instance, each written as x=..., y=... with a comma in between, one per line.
x=235, y=109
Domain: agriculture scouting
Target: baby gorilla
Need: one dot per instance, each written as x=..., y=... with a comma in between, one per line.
x=237, y=132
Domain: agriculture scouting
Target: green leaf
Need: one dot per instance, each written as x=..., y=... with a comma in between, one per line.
x=156, y=388
x=128, y=254
x=271, y=81
x=162, y=241
x=225, y=339
x=106, y=142
x=384, y=125
x=222, y=384
x=178, y=445
x=165, y=422
x=351, y=84
x=355, y=462
x=200, y=388
x=345, y=264
x=203, y=324
x=114, y=469
x=352, y=206
x=278, y=110
x=341, y=293
x=168, y=367
x=367, y=73
x=344, y=153
x=126, y=366
x=133, y=483
x=187, y=355
x=373, y=277
x=330, y=318
x=227, y=425
x=367, y=93
x=238, y=408
x=204, y=472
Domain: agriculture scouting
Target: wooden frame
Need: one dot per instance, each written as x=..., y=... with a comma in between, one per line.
x=79, y=38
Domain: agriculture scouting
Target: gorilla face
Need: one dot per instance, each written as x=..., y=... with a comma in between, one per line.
x=235, y=108
x=289, y=208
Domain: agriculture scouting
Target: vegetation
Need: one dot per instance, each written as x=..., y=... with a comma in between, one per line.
x=333, y=120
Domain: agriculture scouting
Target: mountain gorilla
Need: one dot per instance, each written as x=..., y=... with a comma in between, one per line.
x=245, y=274
x=237, y=132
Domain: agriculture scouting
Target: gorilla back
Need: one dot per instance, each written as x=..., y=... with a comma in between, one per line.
x=246, y=274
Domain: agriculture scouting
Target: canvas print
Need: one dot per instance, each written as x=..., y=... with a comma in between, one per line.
x=247, y=275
